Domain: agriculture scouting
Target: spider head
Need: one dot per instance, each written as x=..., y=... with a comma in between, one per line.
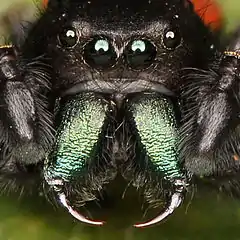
x=122, y=46
x=105, y=54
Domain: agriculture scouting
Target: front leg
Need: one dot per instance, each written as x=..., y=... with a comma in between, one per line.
x=211, y=107
x=25, y=122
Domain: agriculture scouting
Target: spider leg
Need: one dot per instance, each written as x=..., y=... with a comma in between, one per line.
x=25, y=123
x=211, y=107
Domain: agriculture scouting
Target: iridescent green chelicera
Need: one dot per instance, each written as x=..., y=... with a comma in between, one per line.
x=81, y=122
x=157, y=127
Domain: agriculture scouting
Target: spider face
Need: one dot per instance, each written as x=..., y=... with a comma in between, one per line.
x=128, y=42
x=116, y=88
x=127, y=59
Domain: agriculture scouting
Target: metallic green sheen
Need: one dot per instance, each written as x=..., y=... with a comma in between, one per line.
x=81, y=124
x=158, y=130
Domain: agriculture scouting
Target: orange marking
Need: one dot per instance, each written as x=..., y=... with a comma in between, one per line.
x=45, y=3
x=236, y=157
x=210, y=12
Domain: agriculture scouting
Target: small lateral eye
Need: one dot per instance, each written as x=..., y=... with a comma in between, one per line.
x=68, y=37
x=171, y=39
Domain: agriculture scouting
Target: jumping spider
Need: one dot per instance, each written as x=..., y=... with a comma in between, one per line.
x=141, y=89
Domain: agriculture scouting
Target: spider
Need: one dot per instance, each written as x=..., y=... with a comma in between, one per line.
x=99, y=89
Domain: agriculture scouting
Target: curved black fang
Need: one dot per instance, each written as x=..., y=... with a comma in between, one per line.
x=63, y=200
x=57, y=186
x=175, y=202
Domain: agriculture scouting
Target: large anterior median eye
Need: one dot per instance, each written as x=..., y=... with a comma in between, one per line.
x=68, y=37
x=140, y=53
x=171, y=39
x=100, y=53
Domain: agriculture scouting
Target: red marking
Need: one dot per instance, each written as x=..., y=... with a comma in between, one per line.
x=210, y=12
x=236, y=157
x=45, y=3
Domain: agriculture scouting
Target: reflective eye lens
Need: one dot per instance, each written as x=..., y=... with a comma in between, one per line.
x=99, y=53
x=102, y=45
x=171, y=39
x=138, y=45
x=68, y=37
x=140, y=53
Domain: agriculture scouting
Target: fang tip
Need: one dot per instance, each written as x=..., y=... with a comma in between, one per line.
x=75, y=214
x=176, y=200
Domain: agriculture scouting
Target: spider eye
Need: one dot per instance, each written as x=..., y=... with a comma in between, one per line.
x=101, y=45
x=140, y=53
x=100, y=53
x=171, y=39
x=68, y=37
